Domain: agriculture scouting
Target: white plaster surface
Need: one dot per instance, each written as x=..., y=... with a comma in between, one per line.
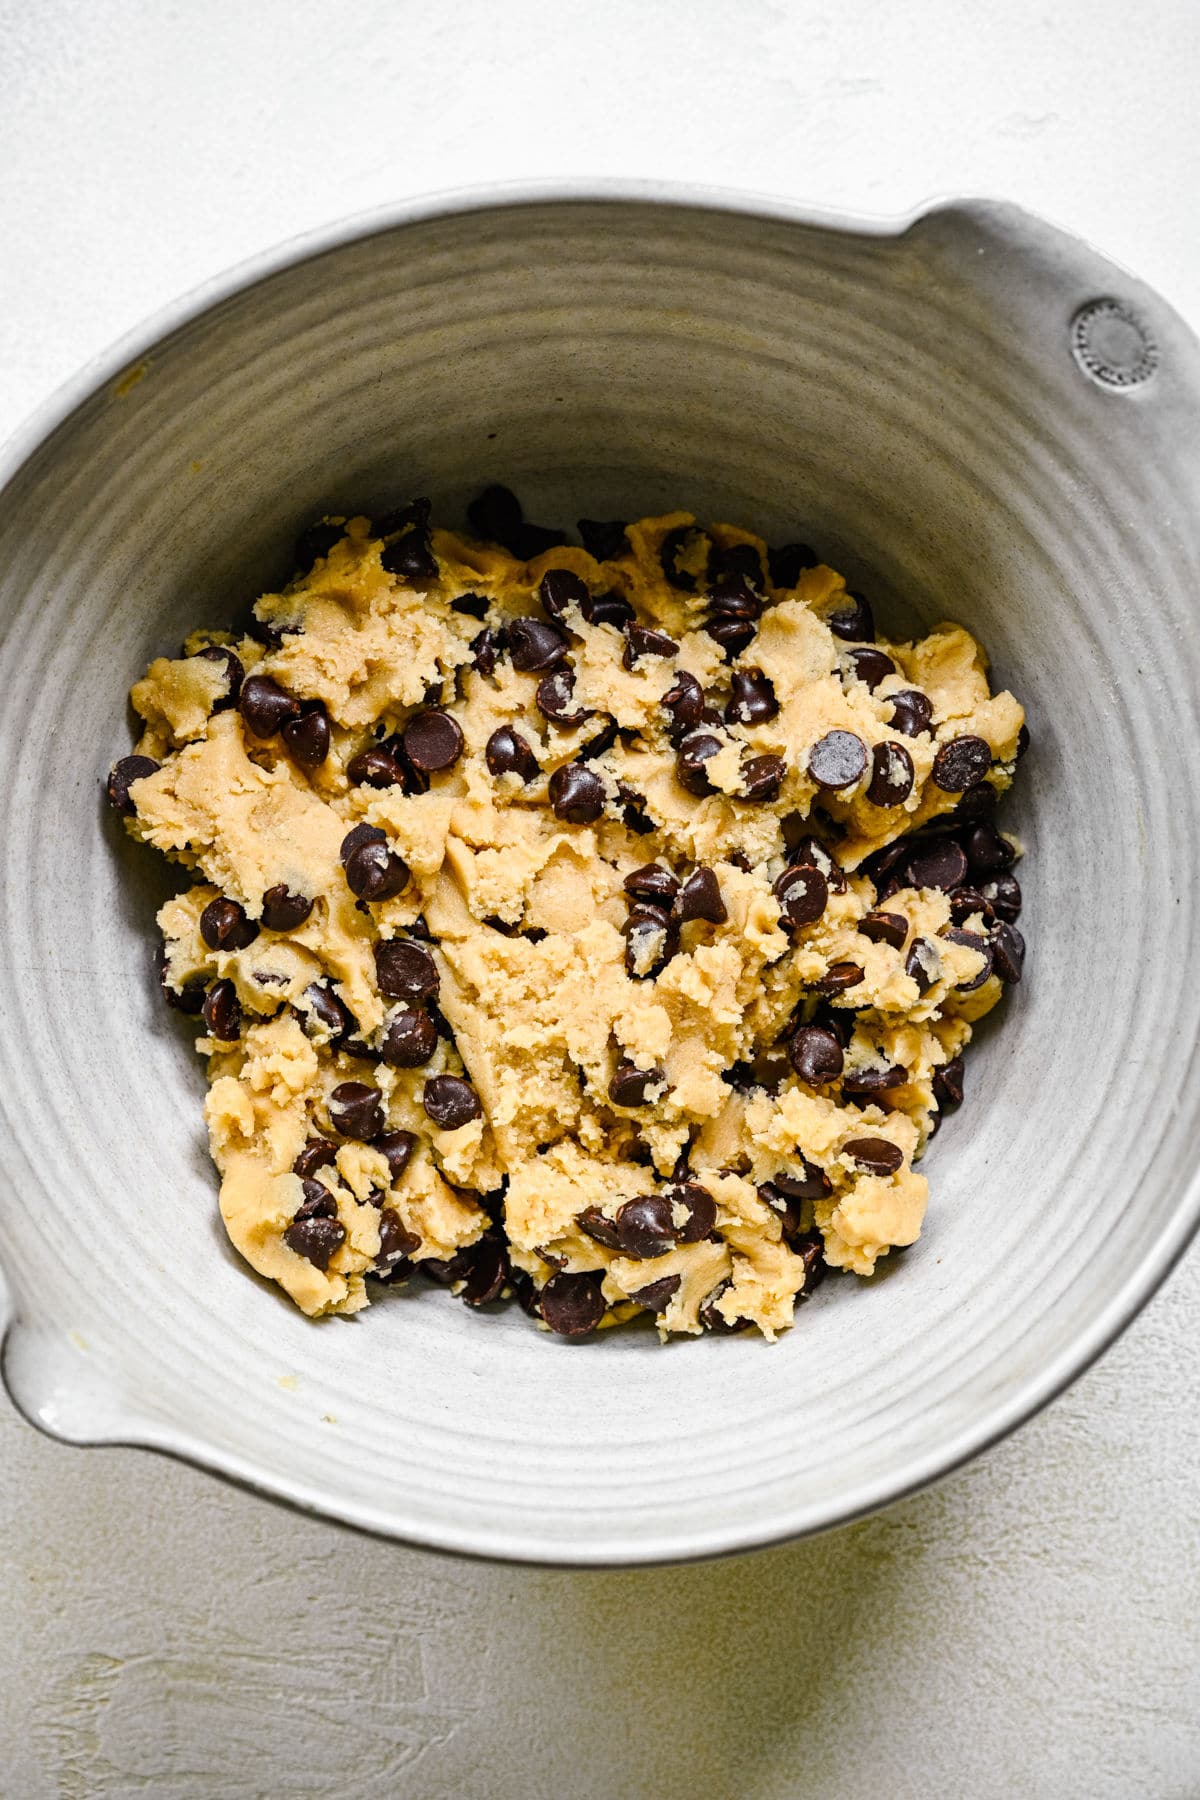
x=1029, y=1628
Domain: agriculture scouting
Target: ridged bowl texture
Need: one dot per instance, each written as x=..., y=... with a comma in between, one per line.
x=945, y=411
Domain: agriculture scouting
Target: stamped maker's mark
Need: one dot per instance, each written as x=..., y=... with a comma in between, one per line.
x=1111, y=346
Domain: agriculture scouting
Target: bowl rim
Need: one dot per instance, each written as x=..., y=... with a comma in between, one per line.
x=123, y=1427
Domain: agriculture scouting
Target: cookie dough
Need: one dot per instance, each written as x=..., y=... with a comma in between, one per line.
x=597, y=925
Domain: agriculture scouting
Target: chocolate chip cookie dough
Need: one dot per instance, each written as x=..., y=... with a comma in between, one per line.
x=598, y=925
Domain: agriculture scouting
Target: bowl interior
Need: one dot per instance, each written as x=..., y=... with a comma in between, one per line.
x=909, y=404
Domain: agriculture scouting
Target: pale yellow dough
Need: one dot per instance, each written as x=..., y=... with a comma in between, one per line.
x=540, y=1020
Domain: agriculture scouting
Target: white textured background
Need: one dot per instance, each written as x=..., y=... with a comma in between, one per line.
x=1027, y=1629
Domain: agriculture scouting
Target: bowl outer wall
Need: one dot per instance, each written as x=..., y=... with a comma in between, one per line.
x=966, y=464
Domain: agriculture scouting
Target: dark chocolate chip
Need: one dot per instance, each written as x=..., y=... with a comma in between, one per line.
x=224, y=925
x=733, y=635
x=473, y=606
x=684, y=542
x=487, y=647
x=652, y=882
x=599, y=1227
x=572, y=1305
x=641, y=641
x=489, y=1272
x=762, y=778
x=1022, y=743
x=715, y=1321
x=912, y=712
x=561, y=588
x=802, y=892
x=656, y=1296
x=923, y=964
x=816, y=1055
x=556, y=698
x=972, y=941
x=839, y=977
x=450, y=1101
x=789, y=562
x=948, y=1083
x=732, y=597
x=374, y=872
x=938, y=863
x=884, y=928
x=495, y=514
x=739, y=560
x=315, y=1239
x=121, y=777
x=645, y=1227
x=508, y=753
x=282, y=910
x=987, y=852
x=356, y=1110
x=869, y=665
x=695, y=750
x=314, y=542
x=837, y=760
x=396, y=1242
x=409, y=1040
x=809, y=1246
x=397, y=1147
x=222, y=1012
x=1008, y=952
x=307, y=738
x=318, y=1153
x=375, y=768
x=359, y=835
x=867, y=1083
x=318, y=1202
x=577, y=794
x=433, y=741
x=651, y=939
x=535, y=644
x=979, y=802
x=609, y=609
x=596, y=746
x=324, y=1014
x=411, y=557
x=405, y=970
x=605, y=539
x=700, y=898
x=629, y=1083
x=878, y=1156
x=959, y=764
x=235, y=674
x=752, y=699
x=966, y=900
x=1004, y=896
x=891, y=775
x=853, y=621
x=529, y=540
x=188, y=999
x=448, y=1270
x=803, y=1180
x=684, y=700
x=265, y=706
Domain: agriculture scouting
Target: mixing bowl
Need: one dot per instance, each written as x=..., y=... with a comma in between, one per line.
x=971, y=414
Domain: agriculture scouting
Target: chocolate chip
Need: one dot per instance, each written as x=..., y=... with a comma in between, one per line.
x=979, y=802
x=359, y=835
x=433, y=741
x=188, y=999
x=222, y=1012
x=987, y=852
x=234, y=674
x=374, y=872
x=265, y=706
x=314, y=542
x=802, y=892
x=282, y=910
x=959, y=764
x=324, y=1014
x=629, y=1083
x=789, y=562
x=307, y=738
x=318, y=1153
x=641, y=641
x=868, y=1083
x=396, y=1242
x=489, y=1271
x=810, y=1248
x=715, y=1321
x=972, y=941
x=495, y=514
x=599, y=1227
x=405, y=970
x=397, y=1147
x=375, y=768
x=224, y=925
x=577, y=794
x=912, y=713
x=884, y=928
x=652, y=882
x=938, y=863
x=315, y=1239
x=411, y=557
x=508, y=753
x=685, y=541
x=880, y=864
x=561, y=588
x=450, y=1101
x=605, y=539
x=529, y=540
x=752, y=700
x=645, y=1227
x=695, y=750
x=556, y=698
x=356, y=1110
x=891, y=775
x=804, y=1180
x=1004, y=896
x=837, y=760
x=609, y=609
x=853, y=621
x=700, y=1207
x=448, y=1270
x=651, y=939
x=948, y=1083
x=487, y=647
x=535, y=644
x=816, y=1055
x=869, y=665
x=966, y=900
x=731, y=596
x=817, y=855
x=878, y=1156
x=409, y=1040
x=700, y=898
x=740, y=560
x=684, y=701
x=122, y=776
x=733, y=634
x=838, y=978
x=656, y=1296
x=572, y=1305
x=923, y=964
x=762, y=778
x=1022, y=743
x=1008, y=952
x=473, y=606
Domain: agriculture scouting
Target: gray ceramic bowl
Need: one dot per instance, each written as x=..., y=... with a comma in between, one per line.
x=969, y=412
